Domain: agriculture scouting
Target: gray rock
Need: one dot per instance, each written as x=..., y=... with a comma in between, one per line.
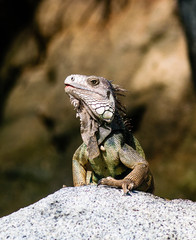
x=101, y=213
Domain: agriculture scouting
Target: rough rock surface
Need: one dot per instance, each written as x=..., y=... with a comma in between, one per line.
x=101, y=213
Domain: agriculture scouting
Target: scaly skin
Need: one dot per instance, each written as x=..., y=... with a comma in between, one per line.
x=114, y=166
x=120, y=163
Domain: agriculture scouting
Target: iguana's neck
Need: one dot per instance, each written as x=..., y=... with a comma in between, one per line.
x=95, y=131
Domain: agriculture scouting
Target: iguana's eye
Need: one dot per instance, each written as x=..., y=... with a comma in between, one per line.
x=93, y=81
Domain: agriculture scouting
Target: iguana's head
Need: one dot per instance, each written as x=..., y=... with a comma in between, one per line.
x=94, y=93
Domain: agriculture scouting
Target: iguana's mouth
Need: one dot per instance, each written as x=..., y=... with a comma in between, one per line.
x=68, y=85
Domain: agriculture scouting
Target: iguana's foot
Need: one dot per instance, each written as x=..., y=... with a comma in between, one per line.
x=126, y=184
x=79, y=184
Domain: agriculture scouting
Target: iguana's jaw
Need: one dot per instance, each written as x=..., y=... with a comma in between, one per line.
x=80, y=104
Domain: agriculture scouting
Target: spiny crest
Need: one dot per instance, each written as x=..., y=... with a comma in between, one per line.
x=118, y=91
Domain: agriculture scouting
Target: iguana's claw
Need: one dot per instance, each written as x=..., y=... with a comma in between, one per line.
x=99, y=183
x=127, y=186
x=105, y=181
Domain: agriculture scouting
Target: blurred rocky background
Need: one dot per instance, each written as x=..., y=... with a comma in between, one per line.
x=140, y=44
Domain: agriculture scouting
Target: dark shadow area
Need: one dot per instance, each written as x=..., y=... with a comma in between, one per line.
x=136, y=115
x=187, y=10
x=14, y=17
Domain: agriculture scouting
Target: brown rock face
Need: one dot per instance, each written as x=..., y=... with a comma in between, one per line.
x=138, y=44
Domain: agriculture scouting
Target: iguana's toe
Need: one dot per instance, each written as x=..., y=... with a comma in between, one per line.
x=105, y=181
x=127, y=186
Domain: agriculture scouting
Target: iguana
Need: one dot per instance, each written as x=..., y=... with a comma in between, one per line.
x=110, y=154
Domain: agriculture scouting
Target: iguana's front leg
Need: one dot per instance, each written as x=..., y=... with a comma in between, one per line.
x=132, y=181
x=139, y=172
x=79, y=163
x=79, y=174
